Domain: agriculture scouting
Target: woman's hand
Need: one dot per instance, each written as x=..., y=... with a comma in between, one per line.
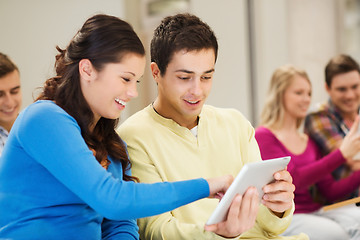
x=219, y=185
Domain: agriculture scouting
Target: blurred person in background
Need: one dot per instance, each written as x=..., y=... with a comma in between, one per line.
x=331, y=121
x=279, y=135
x=10, y=97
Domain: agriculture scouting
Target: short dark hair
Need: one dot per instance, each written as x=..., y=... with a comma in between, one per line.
x=180, y=32
x=339, y=64
x=6, y=65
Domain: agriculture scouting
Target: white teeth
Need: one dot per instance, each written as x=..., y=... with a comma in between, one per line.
x=192, y=101
x=120, y=101
x=8, y=110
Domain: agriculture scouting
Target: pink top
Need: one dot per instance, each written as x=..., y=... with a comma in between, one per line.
x=307, y=169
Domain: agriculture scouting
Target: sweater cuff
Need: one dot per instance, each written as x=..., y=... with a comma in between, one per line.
x=204, y=187
x=272, y=223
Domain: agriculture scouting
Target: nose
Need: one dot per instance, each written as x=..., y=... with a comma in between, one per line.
x=307, y=98
x=351, y=93
x=195, y=87
x=132, y=91
x=8, y=100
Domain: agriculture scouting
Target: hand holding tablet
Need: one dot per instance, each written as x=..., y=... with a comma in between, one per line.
x=256, y=174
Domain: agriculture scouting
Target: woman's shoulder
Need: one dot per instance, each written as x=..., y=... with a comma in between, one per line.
x=263, y=131
x=44, y=107
x=43, y=111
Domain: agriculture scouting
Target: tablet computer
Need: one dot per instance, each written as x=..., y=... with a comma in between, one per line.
x=256, y=174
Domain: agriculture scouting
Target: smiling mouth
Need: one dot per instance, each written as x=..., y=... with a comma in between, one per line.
x=192, y=102
x=8, y=111
x=119, y=101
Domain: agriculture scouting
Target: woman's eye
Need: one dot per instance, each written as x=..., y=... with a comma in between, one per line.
x=126, y=79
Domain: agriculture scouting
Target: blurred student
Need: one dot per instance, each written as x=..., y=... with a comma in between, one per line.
x=65, y=173
x=286, y=106
x=10, y=97
x=331, y=121
x=178, y=137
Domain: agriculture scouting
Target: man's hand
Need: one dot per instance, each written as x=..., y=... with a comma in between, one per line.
x=241, y=216
x=279, y=195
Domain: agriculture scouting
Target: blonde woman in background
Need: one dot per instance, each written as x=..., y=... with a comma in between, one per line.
x=287, y=103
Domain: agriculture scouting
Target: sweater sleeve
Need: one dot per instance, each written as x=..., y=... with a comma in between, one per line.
x=337, y=189
x=53, y=139
x=303, y=174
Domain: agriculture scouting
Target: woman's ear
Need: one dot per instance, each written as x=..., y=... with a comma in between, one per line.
x=155, y=71
x=86, y=70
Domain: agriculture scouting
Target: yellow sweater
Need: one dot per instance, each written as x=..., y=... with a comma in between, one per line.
x=162, y=150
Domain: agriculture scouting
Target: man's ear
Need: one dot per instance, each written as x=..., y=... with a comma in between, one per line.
x=86, y=70
x=155, y=71
x=327, y=88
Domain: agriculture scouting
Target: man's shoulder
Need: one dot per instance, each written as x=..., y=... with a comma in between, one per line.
x=139, y=121
x=227, y=114
x=320, y=110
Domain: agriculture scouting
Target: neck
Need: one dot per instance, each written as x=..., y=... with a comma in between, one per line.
x=166, y=112
x=7, y=125
x=288, y=124
x=349, y=116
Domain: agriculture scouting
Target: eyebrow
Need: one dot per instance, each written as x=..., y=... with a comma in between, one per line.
x=11, y=89
x=190, y=72
x=131, y=73
x=15, y=88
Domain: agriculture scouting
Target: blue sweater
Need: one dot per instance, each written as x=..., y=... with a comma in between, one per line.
x=52, y=187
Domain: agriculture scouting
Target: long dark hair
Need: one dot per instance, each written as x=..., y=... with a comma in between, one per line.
x=102, y=39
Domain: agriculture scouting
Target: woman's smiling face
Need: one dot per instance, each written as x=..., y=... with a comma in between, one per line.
x=107, y=91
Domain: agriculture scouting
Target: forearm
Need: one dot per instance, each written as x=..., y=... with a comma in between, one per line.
x=306, y=175
x=335, y=190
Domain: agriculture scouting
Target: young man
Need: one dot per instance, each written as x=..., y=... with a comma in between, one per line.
x=10, y=97
x=178, y=137
x=328, y=124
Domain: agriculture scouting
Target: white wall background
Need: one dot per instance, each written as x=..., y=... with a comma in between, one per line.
x=303, y=32
x=30, y=30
